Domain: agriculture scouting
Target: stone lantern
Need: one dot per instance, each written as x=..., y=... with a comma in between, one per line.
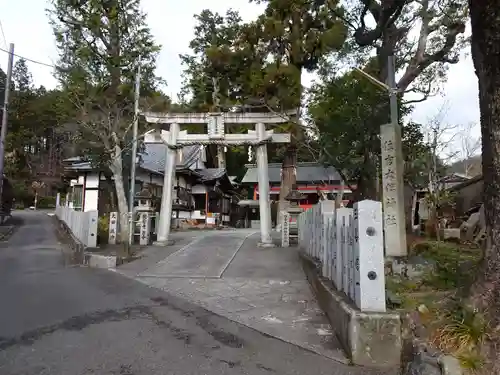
x=290, y=229
x=144, y=209
x=144, y=200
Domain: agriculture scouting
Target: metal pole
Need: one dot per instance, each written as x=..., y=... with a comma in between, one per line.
x=393, y=96
x=134, y=153
x=3, y=132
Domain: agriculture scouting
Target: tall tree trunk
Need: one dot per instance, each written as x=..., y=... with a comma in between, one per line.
x=117, y=171
x=289, y=165
x=485, y=20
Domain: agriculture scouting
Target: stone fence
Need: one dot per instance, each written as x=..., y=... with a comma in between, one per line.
x=83, y=225
x=349, y=245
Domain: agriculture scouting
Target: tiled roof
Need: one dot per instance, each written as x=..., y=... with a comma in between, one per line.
x=211, y=173
x=306, y=172
x=152, y=159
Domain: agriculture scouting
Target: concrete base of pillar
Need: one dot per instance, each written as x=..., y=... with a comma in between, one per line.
x=163, y=243
x=266, y=244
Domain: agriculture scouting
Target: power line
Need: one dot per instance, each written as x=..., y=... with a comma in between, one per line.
x=30, y=60
x=3, y=35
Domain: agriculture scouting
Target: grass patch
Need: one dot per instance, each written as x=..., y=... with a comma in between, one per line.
x=462, y=331
x=451, y=327
x=449, y=268
x=452, y=264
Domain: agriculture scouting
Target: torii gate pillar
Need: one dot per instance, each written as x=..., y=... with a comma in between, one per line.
x=165, y=220
x=263, y=177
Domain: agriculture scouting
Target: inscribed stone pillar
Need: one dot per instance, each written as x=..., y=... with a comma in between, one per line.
x=327, y=212
x=285, y=230
x=369, y=256
x=350, y=252
x=393, y=191
x=338, y=279
x=113, y=227
x=144, y=221
x=343, y=222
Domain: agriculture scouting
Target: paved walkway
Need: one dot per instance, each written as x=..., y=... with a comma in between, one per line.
x=58, y=319
x=226, y=273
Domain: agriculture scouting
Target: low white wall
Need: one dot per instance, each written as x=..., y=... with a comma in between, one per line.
x=83, y=225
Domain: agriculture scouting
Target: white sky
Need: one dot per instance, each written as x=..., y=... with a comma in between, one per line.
x=25, y=23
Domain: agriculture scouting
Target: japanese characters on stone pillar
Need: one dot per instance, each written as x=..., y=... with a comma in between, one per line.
x=327, y=213
x=338, y=261
x=350, y=253
x=369, y=256
x=285, y=231
x=317, y=231
x=393, y=190
x=345, y=213
x=113, y=227
x=145, y=228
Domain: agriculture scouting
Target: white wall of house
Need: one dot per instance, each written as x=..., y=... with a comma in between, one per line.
x=89, y=182
x=91, y=192
x=86, y=186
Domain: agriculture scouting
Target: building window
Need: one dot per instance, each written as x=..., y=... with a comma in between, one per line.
x=77, y=197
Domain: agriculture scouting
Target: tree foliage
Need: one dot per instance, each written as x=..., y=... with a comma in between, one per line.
x=347, y=112
x=101, y=45
x=252, y=64
x=425, y=37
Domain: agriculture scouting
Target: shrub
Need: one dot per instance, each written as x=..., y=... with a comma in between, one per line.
x=46, y=202
x=103, y=229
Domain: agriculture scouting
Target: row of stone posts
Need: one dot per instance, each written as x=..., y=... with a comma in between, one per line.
x=349, y=244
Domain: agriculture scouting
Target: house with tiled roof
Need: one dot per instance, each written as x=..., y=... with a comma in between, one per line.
x=200, y=193
x=314, y=181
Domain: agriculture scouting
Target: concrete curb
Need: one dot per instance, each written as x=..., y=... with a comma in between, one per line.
x=99, y=261
x=369, y=339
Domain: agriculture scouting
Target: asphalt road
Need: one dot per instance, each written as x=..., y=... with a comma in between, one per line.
x=56, y=318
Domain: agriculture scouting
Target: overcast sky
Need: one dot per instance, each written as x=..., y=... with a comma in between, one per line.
x=25, y=23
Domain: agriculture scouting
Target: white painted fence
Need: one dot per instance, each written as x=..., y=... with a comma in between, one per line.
x=83, y=225
x=349, y=243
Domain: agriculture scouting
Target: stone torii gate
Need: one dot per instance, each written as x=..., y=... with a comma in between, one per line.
x=174, y=138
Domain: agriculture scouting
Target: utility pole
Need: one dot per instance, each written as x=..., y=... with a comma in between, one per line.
x=133, y=160
x=3, y=132
x=393, y=93
x=392, y=168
